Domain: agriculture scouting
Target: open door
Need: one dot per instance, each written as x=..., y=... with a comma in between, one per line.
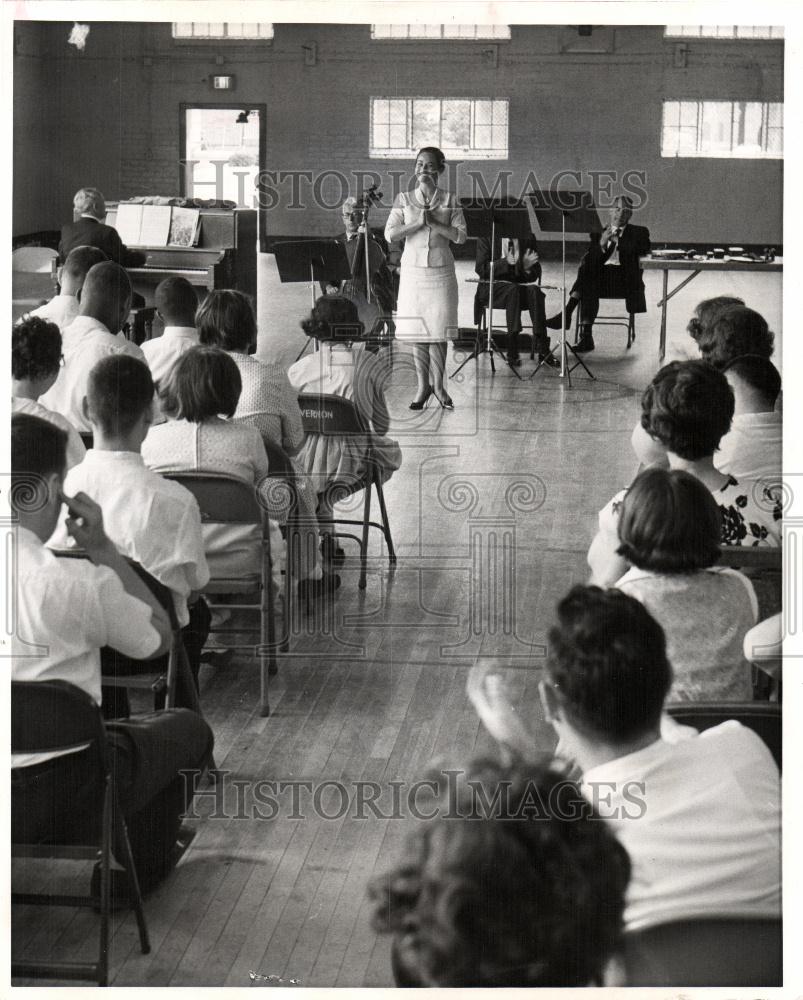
x=223, y=154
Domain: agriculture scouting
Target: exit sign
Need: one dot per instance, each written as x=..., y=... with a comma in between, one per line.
x=223, y=83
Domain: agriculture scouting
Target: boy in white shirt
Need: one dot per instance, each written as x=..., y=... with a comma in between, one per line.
x=153, y=520
x=66, y=610
x=63, y=308
x=176, y=303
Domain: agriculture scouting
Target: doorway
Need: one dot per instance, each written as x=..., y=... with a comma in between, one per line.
x=223, y=154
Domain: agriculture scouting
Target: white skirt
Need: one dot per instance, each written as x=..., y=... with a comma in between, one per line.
x=427, y=307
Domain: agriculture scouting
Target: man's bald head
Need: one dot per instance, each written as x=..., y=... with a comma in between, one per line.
x=106, y=295
x=79, y=263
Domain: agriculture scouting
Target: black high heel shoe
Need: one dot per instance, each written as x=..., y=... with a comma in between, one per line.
x=419, y=404
x=446, y=402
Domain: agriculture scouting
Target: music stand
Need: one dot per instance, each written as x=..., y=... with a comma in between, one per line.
x=508, y=218
x=564, y=212
x=313, y=261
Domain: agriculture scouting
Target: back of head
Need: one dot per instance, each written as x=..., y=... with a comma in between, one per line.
x=514, y=882
x=607, y=663
x=203, y=383
x=38, y=450
x=707, y=311
x=757, y=376
x=176, y=301
x=225, y=319
x=333, y=317
x=106, y=295
x=119, y=392
x=35, y=349
x=688, y=407
x=733, y=331
x=89, y=201
x=669, y=523
x=79, y=263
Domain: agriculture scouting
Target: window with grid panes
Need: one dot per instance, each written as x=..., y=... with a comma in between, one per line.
x=733, y=129
x=475, y=128
x=240, y=30
x=724, y=31
x=464, y=32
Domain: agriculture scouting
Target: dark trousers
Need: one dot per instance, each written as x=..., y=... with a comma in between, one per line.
x=514, y=299
x=595, y=280
x=55, y=800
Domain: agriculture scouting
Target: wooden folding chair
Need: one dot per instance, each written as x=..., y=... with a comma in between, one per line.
x=224, y=500
x=49, y=717
x=333, y=415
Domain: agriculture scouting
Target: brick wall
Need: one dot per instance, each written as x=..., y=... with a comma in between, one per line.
x=116, y=114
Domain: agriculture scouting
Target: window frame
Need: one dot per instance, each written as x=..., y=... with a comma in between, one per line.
x=732, y=153
x=399, y=153
x=672, y=32
x=488, y=40
x=221, y=39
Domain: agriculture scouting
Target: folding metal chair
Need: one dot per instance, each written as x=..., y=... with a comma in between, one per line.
x=52, y=716
x=763, y=717
x=628, y=321
x=224, y=500
x=332, y=415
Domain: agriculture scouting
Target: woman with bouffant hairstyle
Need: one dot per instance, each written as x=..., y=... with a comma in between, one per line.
x=669, y=531
x=515, y=882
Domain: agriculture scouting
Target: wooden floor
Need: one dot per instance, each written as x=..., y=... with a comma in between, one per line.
x=492, y=513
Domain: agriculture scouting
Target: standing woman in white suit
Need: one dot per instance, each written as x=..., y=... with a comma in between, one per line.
x=428, y=219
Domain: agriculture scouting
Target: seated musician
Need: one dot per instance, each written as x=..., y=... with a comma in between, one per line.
x=516, y=269
x=609, y=269
x=89, y=230
x=382, y=285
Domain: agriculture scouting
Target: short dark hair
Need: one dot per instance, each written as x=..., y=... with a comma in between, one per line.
x=226, y=319
x=119, y=390
x=333, y=317
x=688, y=407
x=175, y=298
x=35, y=349
x=669, y=522
x=706, y=312
x=38, y=448
x=733, y=331
x=607, y=662
x=203, y=383
x=759, y=373
x=530, y=891
x=81, y=260
x=440, y=159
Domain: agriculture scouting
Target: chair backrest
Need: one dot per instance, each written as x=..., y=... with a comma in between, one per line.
x=763, y=717
x=711, y=952
x=750, y=557
x=330, y=414
x=221, y=499
x=33, y=260
x=53, y=715
x=279, y=461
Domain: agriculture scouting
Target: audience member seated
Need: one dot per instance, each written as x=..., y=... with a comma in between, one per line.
x=688, y=408
x=698, y=813
x=516, y=269
x=201, y=390
x=753, y=448
x=514, y=882
x=35, y=366
x=341, y=370
x=649, y=451
x=92, y=335
x=89, y=229
x=151, y=520
x=732, y=332
x=669, y=532
x=63, y=308
x=71, y=608
x=268, y=401
x=176, y=304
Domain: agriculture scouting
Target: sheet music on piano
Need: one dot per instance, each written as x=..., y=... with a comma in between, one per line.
x=143, y=225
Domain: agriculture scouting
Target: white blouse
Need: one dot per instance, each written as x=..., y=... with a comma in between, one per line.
x=425, y=248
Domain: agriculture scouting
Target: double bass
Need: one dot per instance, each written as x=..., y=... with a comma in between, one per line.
x=366, y=261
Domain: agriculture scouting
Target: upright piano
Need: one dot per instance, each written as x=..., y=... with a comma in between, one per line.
x=225, y=256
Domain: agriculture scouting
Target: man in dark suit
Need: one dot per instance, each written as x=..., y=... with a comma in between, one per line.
x=611, y=267
x=89, y=230
x=516, y=269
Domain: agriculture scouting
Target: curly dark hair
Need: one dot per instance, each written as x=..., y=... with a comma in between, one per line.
x=333, y=317
x=526, y=890
x=607, y=663
x=669, y=523
x=35, y=349
x=733, y=331
x=226, y=319
x=707, y=311
x=688, y=407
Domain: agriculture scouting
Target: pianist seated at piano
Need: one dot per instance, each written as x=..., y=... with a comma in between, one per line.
x=516, y=271
x=88, y=229
x=93, y=334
